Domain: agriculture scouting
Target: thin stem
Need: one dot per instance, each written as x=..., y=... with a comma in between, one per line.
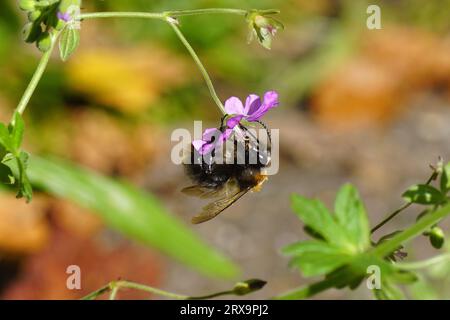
x=35, y=79
x=173, y=24
x=307, y=291
x=115, y=286
x=210, y=296
x=113, y=294
x=142, y=287
x=96, y=293
x=144, y=15
x=424, y=263
x=162, y=15
x=179, y=13
x=402, y=208
x=387, y=247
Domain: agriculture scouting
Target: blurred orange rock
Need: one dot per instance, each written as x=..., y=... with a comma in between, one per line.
x=23, y=227
x=370, y=89
x=125, y=79
x=101, y=259
x=111, y=146
x=77, y=220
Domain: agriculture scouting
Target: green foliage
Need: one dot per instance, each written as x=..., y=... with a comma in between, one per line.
x=125, y=208
x=15, y=161
x=68, y=42
x=345, y=234
x=342, y=250
x=445, y=179
x=423, y=194
x=44, y=23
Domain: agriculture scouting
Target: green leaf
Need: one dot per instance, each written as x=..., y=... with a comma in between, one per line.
x=314, y=214
x=18, y=167
x=5, y=138
x=17, y=131
x=351, y=215
x=131, y=211
x=68, y=42
x=316, y=257
x=25, y=189
x=423, y=194
x=445, y=179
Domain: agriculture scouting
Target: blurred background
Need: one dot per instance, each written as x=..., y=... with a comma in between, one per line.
x=370, y=107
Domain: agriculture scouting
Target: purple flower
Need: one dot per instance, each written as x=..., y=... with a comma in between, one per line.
x=65, y=16
x=211, y=138
x=253, y=110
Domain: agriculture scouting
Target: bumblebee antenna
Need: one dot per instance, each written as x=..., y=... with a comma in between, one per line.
x=267, y=130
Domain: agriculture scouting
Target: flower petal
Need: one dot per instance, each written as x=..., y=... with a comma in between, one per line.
x=234, y=106
x=207, y=148
x=270, y=101
x=226, y=134
x=252, y=104
x=198, y=144
x=209, y=133
x=234, y=121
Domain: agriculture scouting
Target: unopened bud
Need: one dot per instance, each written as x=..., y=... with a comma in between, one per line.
x=44, y=42
x=245, y=287
x=437, y=237
x=27, y=5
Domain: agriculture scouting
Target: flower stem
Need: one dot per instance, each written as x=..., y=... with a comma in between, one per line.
x=145, y=15
x=115, y=286
x=420, y=226
x=35, y=79
x=307, y=291
x=179, y=13
x=402, y=208
x=173, y=24
x=162, y=15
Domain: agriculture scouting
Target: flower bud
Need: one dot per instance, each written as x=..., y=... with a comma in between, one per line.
x=44, y=42
x=437, y=237
x=31, y=32
x=27, y=5
x=34, y=15
x=60, y=25
x=263, y=27
x=245, y=287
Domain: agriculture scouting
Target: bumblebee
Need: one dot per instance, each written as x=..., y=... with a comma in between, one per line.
x=224, y=177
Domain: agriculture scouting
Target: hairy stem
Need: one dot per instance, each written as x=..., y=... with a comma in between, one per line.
x=307, y=291
x=416, y=229
x=402, y=208
x=144, y=15
x=163, y=15
x=173, y=24
x=35, y=79
x=114, y=286
x=179, y=13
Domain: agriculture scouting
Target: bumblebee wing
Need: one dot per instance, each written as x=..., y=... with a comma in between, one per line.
x=213, y=209
x=202, y=192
